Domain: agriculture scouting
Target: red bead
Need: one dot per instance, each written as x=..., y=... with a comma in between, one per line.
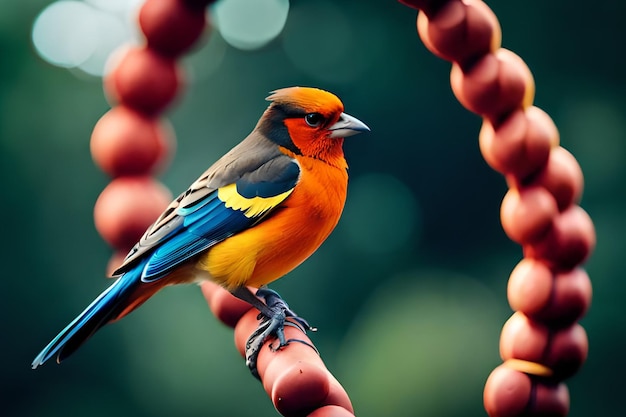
x=524, y=339
x=554, y=299
x=225, y=306
x=270, y=363
x=494, y=86
x=507, y=393
x=549, y=400
x=273, y=364
x=570, y=299
x=567, y=351
x=125, y=142
x=563, y=350
x=460, y=31
x=427, y=6
x=171, y=26
x=300, y=389
x=198, y=4
x=562, y=177
x=127, y=207
x=568, y=243
x=337, y=395
x=331, y=411
x=247, y=324
x=527, y=213
x=143, y=80
x=541, y=124
x=519, y=146
x=530, y=286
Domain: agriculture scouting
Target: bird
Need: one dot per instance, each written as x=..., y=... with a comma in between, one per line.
x=256, y=214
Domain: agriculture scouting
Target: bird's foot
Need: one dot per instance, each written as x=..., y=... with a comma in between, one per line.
x=274, y=301
x=273, y=322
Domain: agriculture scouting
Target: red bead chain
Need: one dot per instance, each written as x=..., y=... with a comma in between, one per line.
x=294, y=377
x=131, y=143
x=541, y=344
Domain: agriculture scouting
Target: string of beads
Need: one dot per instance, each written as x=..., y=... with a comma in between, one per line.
x=132, y=142
x=541, y=344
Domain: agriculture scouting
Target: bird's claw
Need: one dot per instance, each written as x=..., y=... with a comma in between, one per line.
x=274, y=300
x=273, y=326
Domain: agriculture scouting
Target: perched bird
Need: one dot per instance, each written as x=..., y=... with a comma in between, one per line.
x=252, y=217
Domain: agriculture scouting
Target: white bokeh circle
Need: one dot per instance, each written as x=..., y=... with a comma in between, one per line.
x=250, y=24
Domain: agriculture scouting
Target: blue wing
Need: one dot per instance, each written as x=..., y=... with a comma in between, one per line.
x=234, y=194
x=202, y=217
x=204, y=224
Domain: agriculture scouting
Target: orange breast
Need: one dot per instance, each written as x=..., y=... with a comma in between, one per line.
x=292, y=232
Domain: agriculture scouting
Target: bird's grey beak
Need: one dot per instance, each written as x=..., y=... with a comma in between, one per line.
x=347, y=126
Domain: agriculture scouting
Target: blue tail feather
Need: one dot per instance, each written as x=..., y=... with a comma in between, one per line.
x=101, y=311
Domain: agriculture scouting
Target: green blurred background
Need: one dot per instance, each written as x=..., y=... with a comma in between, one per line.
x=409, y=293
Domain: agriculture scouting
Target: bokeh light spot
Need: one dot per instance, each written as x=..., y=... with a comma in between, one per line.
x=381, y=214
x=65, y=33
x=250, y=24
x=116, y=6
x=83, y=35
x=112, y=33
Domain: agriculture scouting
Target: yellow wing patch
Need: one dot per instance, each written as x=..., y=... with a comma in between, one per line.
x=251, y=207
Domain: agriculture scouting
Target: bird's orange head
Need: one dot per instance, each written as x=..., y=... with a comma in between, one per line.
x=309, y=122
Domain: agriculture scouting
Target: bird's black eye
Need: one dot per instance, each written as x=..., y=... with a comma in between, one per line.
x=314, y=119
